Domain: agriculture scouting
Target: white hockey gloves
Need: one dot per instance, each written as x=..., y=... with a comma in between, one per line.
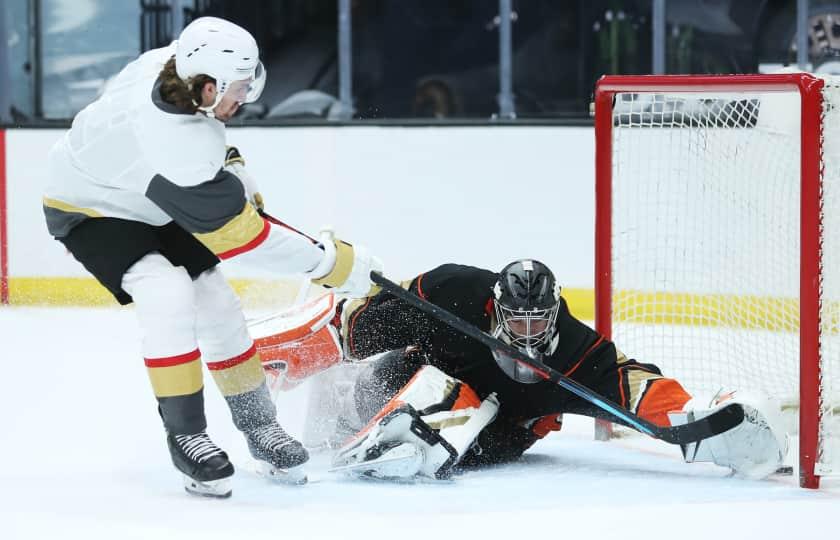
x=345, y=268
x=754, y=449
x=424, y=431
x=236, y=165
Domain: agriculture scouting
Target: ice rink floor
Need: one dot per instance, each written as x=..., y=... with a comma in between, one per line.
x=84, y=456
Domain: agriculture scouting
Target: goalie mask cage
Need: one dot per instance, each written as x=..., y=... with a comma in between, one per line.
x=718, y=238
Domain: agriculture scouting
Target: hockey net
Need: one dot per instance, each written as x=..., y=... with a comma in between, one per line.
x=718, y=238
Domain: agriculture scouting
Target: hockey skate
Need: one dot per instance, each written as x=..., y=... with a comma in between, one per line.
x=390, y=460
x=206, y=468
x=279, y=456
x=395, y=448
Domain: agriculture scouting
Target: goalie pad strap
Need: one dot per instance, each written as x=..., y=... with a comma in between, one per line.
x=400, y=445
x=451, y=416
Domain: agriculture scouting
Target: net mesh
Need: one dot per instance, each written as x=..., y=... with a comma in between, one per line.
x=828, y=454
x=706, y=246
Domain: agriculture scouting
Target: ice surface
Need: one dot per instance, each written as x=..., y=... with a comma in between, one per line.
x=84, y=457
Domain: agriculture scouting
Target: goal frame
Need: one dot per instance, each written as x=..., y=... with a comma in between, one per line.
x=810, y=90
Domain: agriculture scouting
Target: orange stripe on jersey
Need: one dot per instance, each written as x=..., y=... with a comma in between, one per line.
x=242, y=233
x=583, y=357
x=235, y=361
x=622, y=397
x=661, y=397
x=169, y=361
x=420, y=292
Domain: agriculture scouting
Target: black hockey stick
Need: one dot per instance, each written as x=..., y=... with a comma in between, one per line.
x=271, y=219
x=721, y=420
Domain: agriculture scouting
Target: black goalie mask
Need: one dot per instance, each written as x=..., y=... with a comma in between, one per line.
x=526, y=300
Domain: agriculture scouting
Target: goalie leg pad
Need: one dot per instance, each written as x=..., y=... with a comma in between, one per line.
x=297, y=343
x=754, y=449
x=438, y=414
x=399, y=445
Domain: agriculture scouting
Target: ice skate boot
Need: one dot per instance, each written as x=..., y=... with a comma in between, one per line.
x=207, y=469
x=279, y=456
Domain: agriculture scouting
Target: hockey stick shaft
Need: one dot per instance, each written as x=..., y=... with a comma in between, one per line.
x=714, y=424
x=271, y=219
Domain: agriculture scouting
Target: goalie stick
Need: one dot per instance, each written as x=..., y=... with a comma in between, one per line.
x=716, y=423
x=271, y=219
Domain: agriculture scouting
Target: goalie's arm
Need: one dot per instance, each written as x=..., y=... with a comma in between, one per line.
x=721, y=420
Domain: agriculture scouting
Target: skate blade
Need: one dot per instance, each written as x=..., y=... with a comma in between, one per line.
x=294, y=475
x=218, y=489
x=401, y=463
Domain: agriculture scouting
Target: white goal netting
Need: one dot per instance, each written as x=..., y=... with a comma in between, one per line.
x=706, y=243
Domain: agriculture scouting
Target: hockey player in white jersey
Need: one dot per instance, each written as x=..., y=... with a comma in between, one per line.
x=145, y=194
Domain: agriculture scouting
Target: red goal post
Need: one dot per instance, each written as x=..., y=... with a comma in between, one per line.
x=714, y=215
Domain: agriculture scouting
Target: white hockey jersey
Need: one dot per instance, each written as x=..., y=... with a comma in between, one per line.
x=130, y=155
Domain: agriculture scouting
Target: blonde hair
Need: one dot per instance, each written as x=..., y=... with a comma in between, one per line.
x=173, y=90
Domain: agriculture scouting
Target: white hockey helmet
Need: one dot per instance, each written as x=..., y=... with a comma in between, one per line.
x=222, y=50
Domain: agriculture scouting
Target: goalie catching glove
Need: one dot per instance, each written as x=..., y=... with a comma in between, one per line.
x=754, y=449
x=423, y=431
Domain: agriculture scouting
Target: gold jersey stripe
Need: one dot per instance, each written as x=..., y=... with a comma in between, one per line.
x=65, y=207
x=240, y=378
x=637, y=381
x=343, y=265
x=236, y=233
x=180, y=380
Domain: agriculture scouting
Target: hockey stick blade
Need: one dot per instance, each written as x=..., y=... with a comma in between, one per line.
x=716, y=423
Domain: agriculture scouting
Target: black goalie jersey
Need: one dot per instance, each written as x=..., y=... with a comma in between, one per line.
x=382, y=322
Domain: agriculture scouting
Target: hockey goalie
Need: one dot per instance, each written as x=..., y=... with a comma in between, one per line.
x=401, y=396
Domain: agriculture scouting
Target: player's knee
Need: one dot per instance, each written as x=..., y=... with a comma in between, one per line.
x=220, y=327
x=215, y=295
